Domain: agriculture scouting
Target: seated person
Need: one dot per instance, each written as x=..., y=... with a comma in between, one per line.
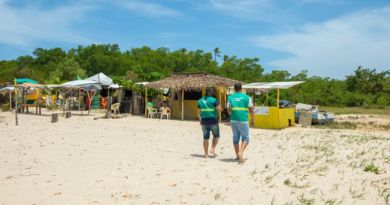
x=150, y=104
x=165, y=109
x=103, y=102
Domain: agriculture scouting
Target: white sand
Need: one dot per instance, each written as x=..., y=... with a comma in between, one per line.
x=147, y=161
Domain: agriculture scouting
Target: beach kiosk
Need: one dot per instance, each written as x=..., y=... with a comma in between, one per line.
x=187, y=88
x=77, y=86
x=272, y=117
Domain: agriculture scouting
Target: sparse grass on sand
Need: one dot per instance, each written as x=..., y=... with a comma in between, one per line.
x=357, y=110
x=338, y=125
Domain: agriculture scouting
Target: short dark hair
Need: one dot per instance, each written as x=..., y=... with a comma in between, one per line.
x=237, y=87
x=210, y=91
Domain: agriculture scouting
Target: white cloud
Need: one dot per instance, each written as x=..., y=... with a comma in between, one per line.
x=241, y=8
x=23, y=26
x=147, y=8
x=336, y=47
x=252, y=10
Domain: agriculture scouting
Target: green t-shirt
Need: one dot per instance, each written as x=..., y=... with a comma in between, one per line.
x=239, y=104
x=150, y=104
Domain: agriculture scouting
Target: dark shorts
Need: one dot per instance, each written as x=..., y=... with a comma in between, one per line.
x=214, y=128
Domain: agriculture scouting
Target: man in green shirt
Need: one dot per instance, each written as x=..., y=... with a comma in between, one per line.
x=240, y=106
x=208, y=108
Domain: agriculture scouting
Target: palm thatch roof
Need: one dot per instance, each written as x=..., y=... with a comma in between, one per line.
x=191, y=81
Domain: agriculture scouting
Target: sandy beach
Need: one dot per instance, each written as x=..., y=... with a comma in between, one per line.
x=134, y=160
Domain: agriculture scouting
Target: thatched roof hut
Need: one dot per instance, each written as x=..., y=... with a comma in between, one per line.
x=191, y=81
x=179, y=84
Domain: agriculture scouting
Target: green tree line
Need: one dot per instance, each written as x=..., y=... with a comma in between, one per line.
x=364, y=87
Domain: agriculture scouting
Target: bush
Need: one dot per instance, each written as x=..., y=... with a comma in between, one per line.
x=383, y=101
x=372, y=168
x=5, y=107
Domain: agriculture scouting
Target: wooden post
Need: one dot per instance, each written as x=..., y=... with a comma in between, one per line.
x=23, y=101
x=79, y=101
x=203, y=91
x=90, y=99
x=16, y=103
x=292, y=90
x=225, y=96
x=220, y=98
x=62, y=93
x=146, y=101
x=277, y=98
x=266, y=99
x=182, y=104
x=54, y=117
x=10, y=100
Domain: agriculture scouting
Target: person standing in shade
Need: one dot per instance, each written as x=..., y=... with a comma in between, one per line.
x=240, y=105
x=208, y=108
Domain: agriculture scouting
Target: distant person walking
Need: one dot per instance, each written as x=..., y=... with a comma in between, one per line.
x=240, y=105
x=208, y=108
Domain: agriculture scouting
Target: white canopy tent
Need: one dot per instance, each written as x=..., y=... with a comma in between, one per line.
x=87, y=85
x=8, y=89
x=265, y=87
x=273, y=85
x=102, y=79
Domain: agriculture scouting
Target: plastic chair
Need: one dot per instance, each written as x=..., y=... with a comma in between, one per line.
x=115, y=108
x=165, y=111
x=152, y=112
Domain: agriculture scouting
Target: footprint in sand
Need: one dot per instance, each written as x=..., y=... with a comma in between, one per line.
x=57, y=193
x=94, y=203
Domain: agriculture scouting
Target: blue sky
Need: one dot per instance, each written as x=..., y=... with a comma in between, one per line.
x=326, y=37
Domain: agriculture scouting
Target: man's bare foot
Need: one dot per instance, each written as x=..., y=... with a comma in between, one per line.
x=241, y=158
x=213, y=153
x=206, y=156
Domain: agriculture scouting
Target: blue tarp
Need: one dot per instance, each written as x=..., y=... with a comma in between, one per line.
x=26, y=80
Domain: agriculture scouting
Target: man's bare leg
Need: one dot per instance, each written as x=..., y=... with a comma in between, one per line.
x=213, y=145
x=237, y=149
x=240, y=155
x=206, y=148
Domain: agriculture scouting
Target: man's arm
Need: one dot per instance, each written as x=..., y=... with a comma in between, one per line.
x=250, y=107
x=252, y=115
x=229, y=108
x=218, y=106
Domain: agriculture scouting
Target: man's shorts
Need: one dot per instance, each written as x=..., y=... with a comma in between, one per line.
x=214, y=128
x=240, y=130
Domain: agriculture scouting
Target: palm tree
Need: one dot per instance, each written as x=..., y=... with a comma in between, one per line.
x=217, y=53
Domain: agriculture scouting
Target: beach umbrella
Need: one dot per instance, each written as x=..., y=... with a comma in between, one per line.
x=26, y=80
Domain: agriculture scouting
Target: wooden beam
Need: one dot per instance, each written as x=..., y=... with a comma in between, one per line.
x=146, y=101
x=225, y=96
x=220, y=98
x=10, y=100
x=16, y=103
x=182, y=104
x=277, y=97
x=292, y=90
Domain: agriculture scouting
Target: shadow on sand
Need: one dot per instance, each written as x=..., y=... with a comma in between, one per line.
x=229, y=160
x=201, y=156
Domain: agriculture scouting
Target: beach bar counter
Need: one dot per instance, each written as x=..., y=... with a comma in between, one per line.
x=272, y=117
